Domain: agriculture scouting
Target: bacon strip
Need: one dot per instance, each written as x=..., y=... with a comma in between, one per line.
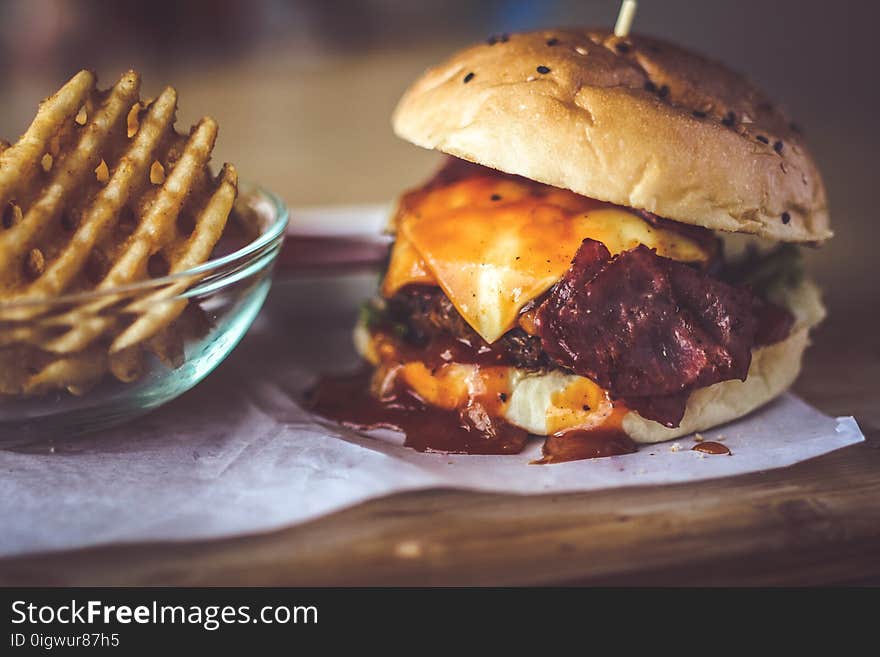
x=647, y=329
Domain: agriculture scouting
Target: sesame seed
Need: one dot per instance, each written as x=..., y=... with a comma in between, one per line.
x=699, y=114
x=543, y=70
x=552, y=41
x=729, y=119
x=762, y=139
x=502, y=396
x=777, y=146
x=650, y=86
x=664, y=91
x=786, y=217
x=468, y=77
x=495, y=197
x=581, y=50
x=622, y=47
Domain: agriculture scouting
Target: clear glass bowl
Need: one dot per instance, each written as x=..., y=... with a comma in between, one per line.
x=81, y=362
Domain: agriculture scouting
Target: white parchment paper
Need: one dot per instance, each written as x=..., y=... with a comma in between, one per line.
x=238, y=455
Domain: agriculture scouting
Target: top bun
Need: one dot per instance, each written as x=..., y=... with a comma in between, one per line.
x=634, y=121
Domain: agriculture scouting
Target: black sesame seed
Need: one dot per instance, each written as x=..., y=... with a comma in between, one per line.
x=699, y=114
x=497, y=38
x=585, y=407
x=622, y=47
x=729, y=120
x=664, y=91
x=468, y=77
x=762, y=139
x=553, y=41
x=786, y=217
x=495, y=197
x=504, y=37
x=650, y=86
x=777, y=146
x=543, y=70
x=502, y=396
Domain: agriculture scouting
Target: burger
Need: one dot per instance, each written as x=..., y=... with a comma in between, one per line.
x=609, y=256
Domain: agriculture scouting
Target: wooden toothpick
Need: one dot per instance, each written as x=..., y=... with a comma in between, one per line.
x=625, y=18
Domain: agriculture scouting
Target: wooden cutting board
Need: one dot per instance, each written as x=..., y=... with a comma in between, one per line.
x=816, y=522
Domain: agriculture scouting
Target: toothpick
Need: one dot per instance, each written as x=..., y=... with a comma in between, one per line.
x=625, y=18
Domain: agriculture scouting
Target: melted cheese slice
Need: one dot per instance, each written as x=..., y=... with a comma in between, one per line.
x=542, y=403
x=493, y=244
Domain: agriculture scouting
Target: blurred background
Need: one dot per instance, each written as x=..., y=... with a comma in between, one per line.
x=303, y=90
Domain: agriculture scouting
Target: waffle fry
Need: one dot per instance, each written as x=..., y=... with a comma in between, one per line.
x=100, y=194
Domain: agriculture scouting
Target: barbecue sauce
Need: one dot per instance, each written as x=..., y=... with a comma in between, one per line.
x=608, y=439
x=476, y=429
x=457, y=422
x=441, y=350
x=472, y=430
x=711, y=447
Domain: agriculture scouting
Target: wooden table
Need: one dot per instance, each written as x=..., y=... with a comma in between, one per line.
x=816, y=522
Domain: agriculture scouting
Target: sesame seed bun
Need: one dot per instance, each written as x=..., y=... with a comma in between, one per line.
x=634, y=121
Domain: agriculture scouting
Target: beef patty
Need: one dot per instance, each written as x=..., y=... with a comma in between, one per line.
x=426, y=312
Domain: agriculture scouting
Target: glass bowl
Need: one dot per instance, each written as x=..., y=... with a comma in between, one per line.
x=80, y=362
